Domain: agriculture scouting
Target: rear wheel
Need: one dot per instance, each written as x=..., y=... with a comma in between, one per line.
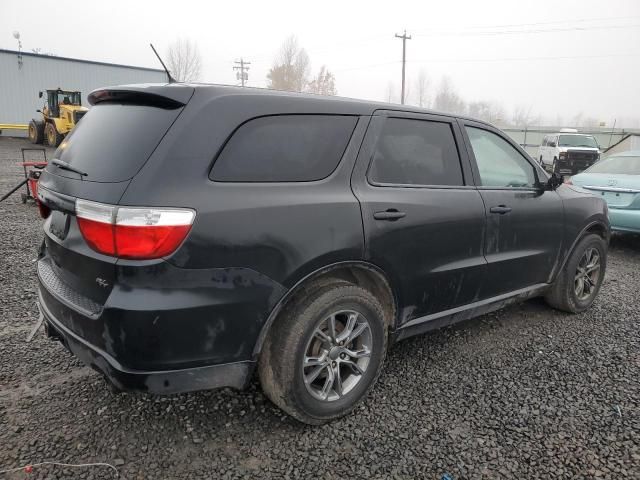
x=579, y=282
x=36, y=132
x=554, y=166
x=53, y=137
x=324, y=353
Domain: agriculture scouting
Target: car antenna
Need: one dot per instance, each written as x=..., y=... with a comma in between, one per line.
x=171, y=79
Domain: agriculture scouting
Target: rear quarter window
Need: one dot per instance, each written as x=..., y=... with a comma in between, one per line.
x=284, y=148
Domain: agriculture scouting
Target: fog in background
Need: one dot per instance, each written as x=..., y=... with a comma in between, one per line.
x=549, y=62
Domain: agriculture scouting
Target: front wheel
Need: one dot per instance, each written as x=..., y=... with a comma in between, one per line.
x=578, y=284
x=53, y=137
x=324, y=353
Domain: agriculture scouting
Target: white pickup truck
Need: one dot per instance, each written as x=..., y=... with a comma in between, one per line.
x=568, y=152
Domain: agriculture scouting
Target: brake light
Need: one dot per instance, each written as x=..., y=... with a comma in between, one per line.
x=133, y=232
x=568, y=181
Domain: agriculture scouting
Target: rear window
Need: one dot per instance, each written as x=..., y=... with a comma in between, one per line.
x=284, y=148
x=617, y=165
x=113, y=141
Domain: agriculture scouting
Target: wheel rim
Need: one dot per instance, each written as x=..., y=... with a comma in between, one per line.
x=337, y=355
x=32, y=132
x=50, y=136
x=587, y=274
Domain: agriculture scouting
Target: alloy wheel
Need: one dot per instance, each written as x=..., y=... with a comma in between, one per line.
x=587, y=274
x=337, y=355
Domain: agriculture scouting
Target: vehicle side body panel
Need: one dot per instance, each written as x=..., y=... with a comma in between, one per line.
x=197, y=318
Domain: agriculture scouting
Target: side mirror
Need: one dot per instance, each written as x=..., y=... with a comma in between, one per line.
x=40, y=94
x=554, y=181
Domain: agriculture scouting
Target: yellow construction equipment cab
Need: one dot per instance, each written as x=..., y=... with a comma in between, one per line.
x=62, y=111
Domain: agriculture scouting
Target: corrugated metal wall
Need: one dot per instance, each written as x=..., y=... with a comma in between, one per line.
x=19, y=86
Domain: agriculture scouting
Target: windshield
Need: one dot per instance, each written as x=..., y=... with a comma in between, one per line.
x=625, y=165
x=68, y=98
x=577, y=141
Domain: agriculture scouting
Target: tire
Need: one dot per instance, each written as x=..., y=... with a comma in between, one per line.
x=36, y=132
x=292, y=338
x=554, y=166
x=564, y=294
x=52, y=136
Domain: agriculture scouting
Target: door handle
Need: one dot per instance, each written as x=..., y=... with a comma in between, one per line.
x=501, y=209
x=390, y=214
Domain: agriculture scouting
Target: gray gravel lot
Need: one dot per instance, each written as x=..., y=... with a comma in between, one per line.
x=526, y=392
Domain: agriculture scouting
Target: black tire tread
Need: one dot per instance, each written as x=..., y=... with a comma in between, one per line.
x=560, y=296
x=275, y=370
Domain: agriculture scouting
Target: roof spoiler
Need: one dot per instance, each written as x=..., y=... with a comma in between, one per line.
x=162, y=96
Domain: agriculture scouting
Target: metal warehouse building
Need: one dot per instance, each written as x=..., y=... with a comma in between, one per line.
x=23, y=75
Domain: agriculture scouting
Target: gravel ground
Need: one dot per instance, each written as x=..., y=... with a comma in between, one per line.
x=526, y=392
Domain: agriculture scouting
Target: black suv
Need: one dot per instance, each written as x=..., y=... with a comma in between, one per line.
x=195, y=233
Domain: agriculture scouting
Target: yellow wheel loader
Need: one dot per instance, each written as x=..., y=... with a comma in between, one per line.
x=61, y=112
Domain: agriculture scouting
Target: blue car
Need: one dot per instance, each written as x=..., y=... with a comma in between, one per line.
x=617, y=180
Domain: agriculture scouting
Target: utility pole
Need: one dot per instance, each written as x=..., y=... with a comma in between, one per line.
x=242, y=74
x=404, y=38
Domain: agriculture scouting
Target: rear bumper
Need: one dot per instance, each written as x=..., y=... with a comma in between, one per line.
x=624, y=220
x=234, y=375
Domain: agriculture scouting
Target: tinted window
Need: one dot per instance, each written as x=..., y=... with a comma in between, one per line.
x=499, y=163
x=416, y=152
x=112, y=142
x=616, y=165
x=284, y=148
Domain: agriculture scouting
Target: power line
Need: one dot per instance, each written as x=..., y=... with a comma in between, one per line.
x=242, y=70
x=476, y=60
x=556, y=22
x=520, y=32
x=404, y=38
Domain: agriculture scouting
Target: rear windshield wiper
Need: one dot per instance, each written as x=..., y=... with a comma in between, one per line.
x=65, y=166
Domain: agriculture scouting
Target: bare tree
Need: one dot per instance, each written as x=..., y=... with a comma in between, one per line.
x=390, y=93
x=491, y=112
x=447, y=99
x=423, y=85
x=577, y=119
x=523, y=117
x=590, y=122
x=290, y=70
x=324, y=83
x=184, y=60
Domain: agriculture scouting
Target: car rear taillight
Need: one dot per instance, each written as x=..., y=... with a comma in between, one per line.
x=568, y=181
x=133, y=232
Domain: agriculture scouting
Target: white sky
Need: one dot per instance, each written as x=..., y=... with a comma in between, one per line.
x=558, y=57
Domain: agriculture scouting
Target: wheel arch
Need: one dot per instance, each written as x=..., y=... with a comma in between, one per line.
x=361, y=273
x=598, y=227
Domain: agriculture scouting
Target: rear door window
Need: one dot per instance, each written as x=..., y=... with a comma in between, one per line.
x=284, y=148
x=113, y=141
x=416, y=152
